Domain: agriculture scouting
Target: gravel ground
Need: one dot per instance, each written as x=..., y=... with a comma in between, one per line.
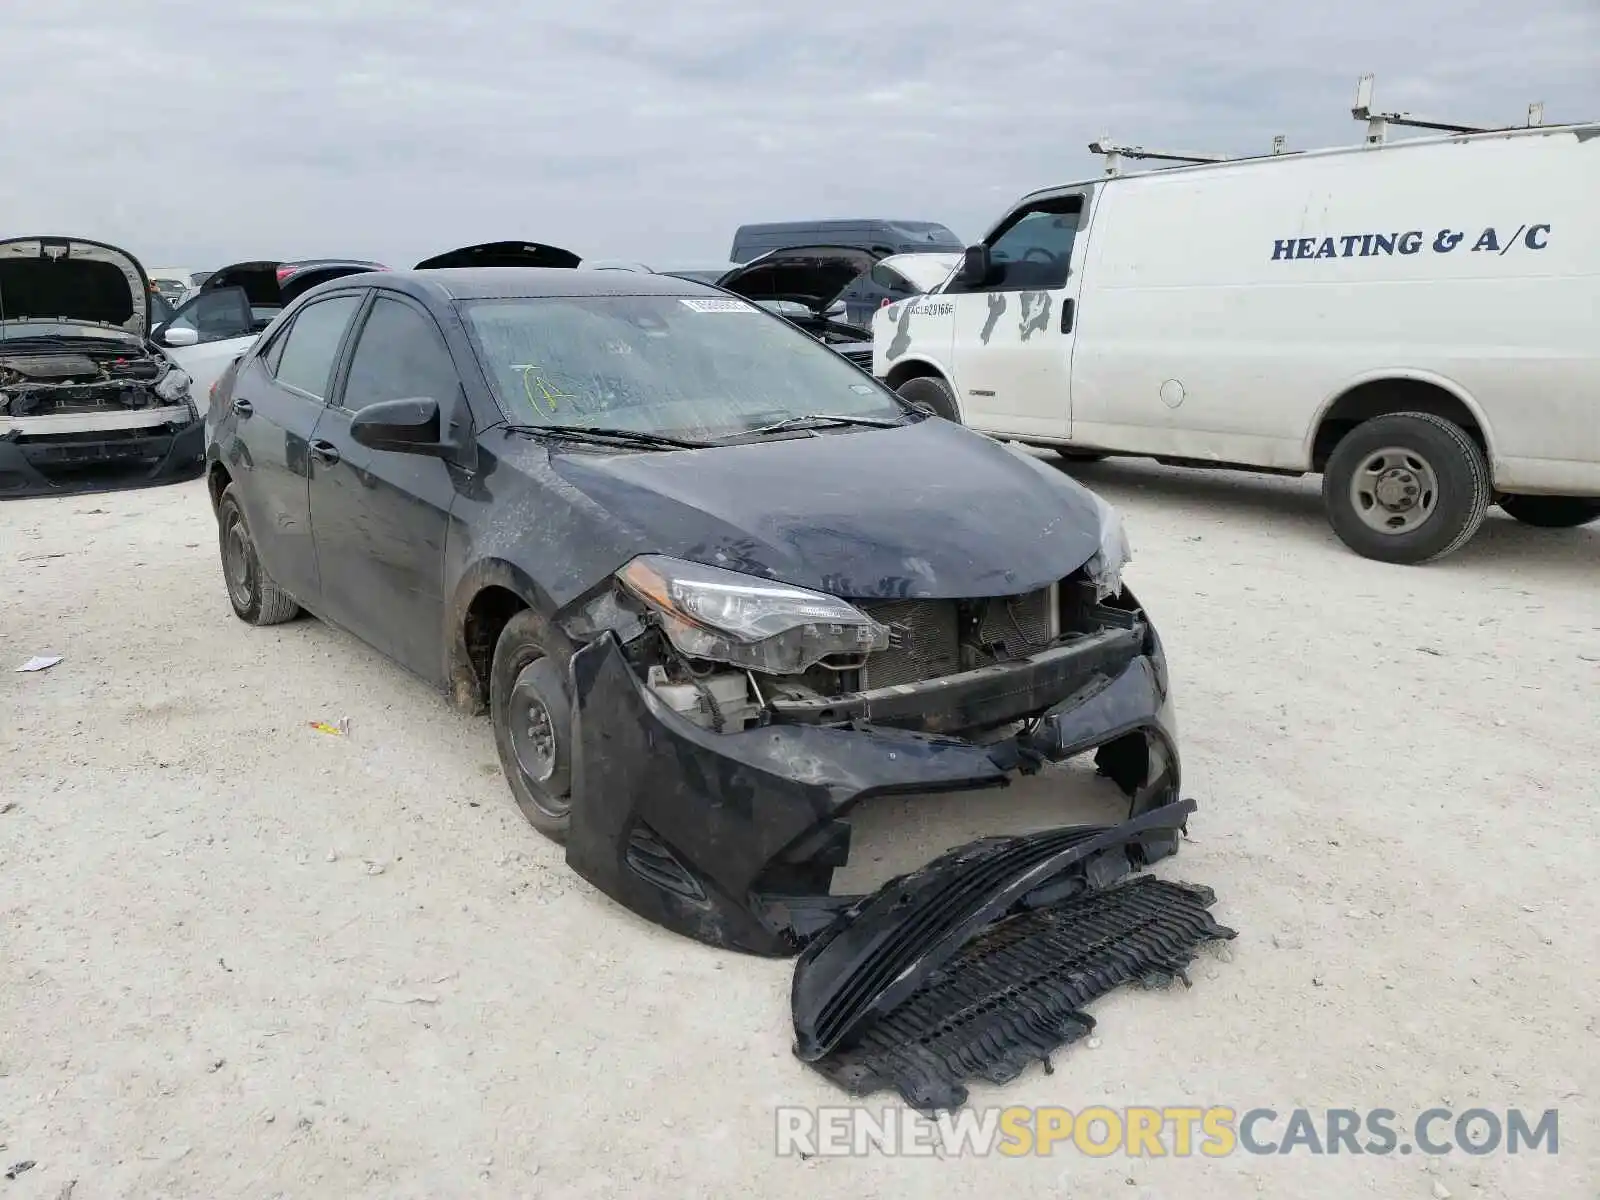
x=239, y=957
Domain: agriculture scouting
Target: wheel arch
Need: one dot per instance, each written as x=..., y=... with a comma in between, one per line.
x=218, y=478
x=915, y=368
x=489, y=594
x=1394, y=390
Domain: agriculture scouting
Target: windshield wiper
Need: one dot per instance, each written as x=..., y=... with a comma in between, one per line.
x=630, y=437
x=820, y=421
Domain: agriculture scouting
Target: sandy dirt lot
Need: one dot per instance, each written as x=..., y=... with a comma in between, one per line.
x=239, y=957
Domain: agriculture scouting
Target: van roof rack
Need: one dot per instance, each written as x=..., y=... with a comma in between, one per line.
x=1115, y=153
x=1378, y=122
x=1378, y=125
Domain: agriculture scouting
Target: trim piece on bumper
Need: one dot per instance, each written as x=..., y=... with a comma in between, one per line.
x=95, y=422
x=733, y=838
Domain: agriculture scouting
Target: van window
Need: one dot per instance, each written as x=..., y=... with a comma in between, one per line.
x=1033, y=251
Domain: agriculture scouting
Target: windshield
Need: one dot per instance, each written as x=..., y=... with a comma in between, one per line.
x=700, y=367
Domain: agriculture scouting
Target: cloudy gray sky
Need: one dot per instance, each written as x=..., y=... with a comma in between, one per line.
x=200, y=134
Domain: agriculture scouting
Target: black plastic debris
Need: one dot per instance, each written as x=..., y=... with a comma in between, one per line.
x=879, y=950
x=20, y=1168
x=1015, y=992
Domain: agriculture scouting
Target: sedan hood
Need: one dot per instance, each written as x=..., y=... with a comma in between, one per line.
x=71, y=279
x=923, y=511
x=812, y=275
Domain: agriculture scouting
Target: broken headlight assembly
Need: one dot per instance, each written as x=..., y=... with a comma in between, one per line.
x=1105, y=568
x=757, y=624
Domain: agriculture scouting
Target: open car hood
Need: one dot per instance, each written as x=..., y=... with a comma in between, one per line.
x=269, y=282
x=812, y=275
x=75, y=280
x=502, y=254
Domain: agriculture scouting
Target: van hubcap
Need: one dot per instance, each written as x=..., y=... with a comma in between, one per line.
x=1394, y=490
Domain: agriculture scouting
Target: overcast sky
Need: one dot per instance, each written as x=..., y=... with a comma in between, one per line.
x=201, y=134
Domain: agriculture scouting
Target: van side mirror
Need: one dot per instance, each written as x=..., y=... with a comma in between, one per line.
x=976, y=266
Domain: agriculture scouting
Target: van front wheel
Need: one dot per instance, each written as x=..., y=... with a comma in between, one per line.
x=1551, y=512
x=933, y=392
x=1406, y=488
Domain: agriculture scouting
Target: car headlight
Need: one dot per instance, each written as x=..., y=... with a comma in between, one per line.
x=1105, y=568
x=710, y=613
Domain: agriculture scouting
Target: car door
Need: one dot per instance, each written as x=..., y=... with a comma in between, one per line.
x=206, y=334
x=380, y=517
x=1011, y=351
x=277, y=399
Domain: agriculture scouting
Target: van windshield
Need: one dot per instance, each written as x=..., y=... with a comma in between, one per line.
x=696, y=367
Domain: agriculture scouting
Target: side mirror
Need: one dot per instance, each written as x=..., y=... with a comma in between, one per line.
x=835, y=310
x=407, y=426
x=975, y=266
x=181, y=336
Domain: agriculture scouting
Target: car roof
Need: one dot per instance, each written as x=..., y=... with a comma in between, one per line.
x=505, y=283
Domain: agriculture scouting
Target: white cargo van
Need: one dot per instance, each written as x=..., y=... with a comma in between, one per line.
x=1418, y=320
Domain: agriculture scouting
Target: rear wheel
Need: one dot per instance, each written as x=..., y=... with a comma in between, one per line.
x=532, y=717
x=935, y=393
x=255, y=598
x=1406, y=488
x=1552, y=512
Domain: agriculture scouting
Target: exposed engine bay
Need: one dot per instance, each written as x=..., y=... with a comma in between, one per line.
x=72, y=380
x=85, y=413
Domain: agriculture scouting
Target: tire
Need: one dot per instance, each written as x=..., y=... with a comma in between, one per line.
x=1552, y=512
x=529, y=675
x=256, y=599
x=1080, y=456
x=1364, y=488
x=935, y=393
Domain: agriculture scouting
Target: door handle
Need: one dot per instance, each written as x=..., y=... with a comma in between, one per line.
x=325, y=452
x=243, y=407
x=1069, y=308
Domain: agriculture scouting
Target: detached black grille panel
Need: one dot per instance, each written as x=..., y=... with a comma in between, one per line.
x=1014, y=994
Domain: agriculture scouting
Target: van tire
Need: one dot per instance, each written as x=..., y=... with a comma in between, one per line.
x=934, y=392
x=1414, y=459
x=1551, y=512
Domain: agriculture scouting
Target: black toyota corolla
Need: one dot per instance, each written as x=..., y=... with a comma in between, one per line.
x=713, y=584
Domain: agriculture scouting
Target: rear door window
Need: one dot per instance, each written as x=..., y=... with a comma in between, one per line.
x=312, y=345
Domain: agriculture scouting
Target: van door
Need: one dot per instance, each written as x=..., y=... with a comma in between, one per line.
x=1011, y=352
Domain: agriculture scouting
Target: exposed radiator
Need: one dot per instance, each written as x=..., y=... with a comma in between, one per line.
x=927, y=635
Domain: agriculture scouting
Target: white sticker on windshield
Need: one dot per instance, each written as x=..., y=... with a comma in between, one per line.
x=718, y=305
x=861, y=389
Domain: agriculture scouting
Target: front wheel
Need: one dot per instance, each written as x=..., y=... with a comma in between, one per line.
x=532, y=717
x=1552, y=512
x=1406, y=488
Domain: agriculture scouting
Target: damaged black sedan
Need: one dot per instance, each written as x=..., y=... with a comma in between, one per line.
x=713, y=585
x=86, y=401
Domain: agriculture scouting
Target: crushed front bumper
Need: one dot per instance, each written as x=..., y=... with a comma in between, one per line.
x=66, y=463
x=733, y=838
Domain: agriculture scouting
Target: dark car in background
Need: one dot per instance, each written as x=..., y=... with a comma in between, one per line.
x=881, y=237
x=86, y=401
x=713, y=585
